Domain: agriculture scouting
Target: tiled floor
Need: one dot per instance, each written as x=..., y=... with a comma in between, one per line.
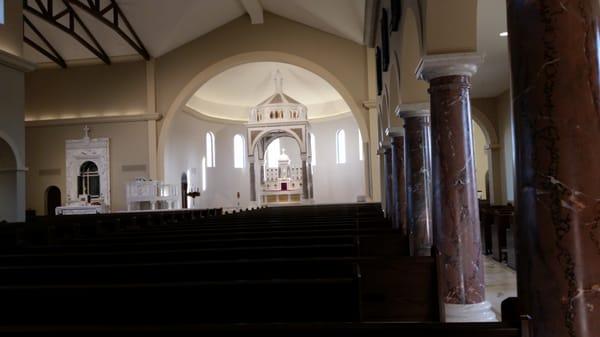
x=500, y=283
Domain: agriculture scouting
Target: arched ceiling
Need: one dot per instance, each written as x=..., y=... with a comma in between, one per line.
x=163, y=25
x=232, y=93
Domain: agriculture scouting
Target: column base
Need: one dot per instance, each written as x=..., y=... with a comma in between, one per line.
x=479, y=312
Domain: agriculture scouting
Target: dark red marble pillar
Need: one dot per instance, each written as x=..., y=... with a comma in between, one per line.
x=417, y=147
x=455, y=205
x=398, y=181
x=555, y=61
x=387, y=161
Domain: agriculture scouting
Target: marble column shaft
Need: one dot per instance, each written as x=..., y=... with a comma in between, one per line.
x=387, y=158
x=417, y=146
x=555, y=61
x=455, y=205
x=398, y=185
x=252, y=182
x=304, y=179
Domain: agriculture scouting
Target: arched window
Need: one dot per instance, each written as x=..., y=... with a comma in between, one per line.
x=88, y=182
x=361, y=154
x=313, y=150
x=238, y=151
x=203, y=173
x=340, y=147
x=273, y=152
x=210, y=149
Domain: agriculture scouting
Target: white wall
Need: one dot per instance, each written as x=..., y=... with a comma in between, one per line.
x=8, y=183
x=186, y=147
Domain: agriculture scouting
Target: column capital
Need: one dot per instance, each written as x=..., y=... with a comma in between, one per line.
x=393, y=132
x=492, y=147
x=384, y=145
x=455, y=64
x=413, y=110
x=370, y=104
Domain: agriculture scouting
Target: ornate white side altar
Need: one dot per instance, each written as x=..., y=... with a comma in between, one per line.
x=88, y=175
x=155, y=193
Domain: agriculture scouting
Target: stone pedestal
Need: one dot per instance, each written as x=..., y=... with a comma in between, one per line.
x=455, y=205
x=417, y=145
x=556, y=109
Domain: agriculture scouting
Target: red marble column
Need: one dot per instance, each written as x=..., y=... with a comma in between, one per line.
x=455, y=205
x=398, y=181
x=387, y=168
x=417, y=145
x=555, y=61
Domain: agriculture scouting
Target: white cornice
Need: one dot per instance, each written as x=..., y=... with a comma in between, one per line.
x=92, y=120
x=16, y=62
x=413, y=110
x=394, y=132
x=456, y=64
x=370, y=104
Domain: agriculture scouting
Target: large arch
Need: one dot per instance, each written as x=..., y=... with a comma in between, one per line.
x=260, y=56
x=493, y=155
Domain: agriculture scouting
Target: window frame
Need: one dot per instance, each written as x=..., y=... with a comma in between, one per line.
x=238, y=151
x=340, y=147
x=210, y=149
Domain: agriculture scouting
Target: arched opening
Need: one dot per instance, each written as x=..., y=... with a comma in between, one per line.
x=215, y=122
x=186, y=93
x=8, y=183
x=88, y=180
x=480, y=145
x=53, y=200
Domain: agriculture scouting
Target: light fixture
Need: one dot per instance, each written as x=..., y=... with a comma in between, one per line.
x=503, y=34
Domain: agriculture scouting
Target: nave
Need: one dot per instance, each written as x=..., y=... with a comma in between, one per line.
x=324, y=270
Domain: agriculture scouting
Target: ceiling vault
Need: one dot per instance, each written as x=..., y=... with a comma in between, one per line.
x=116, y=15
x=49, y=51
x=45, y=11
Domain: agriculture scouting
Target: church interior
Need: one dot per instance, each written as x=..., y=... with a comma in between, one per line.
x=300, y=168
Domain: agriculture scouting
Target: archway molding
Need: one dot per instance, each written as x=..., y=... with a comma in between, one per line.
x=20, y=164
x=260, y=56
x=493, y=156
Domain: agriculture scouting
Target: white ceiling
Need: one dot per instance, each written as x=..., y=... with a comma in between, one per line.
x=233, y=92
x=164, y=25
x=493, y=77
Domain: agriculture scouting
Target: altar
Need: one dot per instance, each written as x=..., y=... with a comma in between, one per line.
x=81, y=209
x=283, y=184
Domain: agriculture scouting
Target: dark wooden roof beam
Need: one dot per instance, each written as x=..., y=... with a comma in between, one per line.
x=44, y=12
x=50, y=52
x=116, y=22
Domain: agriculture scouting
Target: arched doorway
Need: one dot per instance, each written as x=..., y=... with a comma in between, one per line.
x=8, y=183
x=53, y=200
